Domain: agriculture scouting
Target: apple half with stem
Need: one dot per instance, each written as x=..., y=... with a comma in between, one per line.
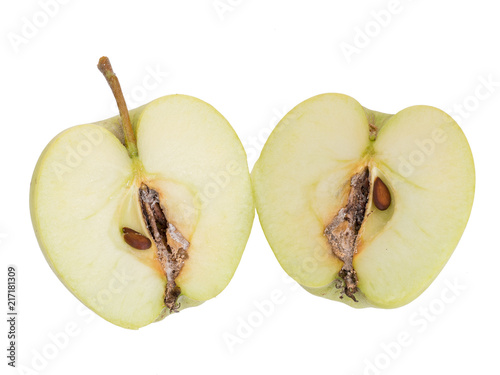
x=360, y=206
x=147, y=213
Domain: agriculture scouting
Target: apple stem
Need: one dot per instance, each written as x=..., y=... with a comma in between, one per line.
x=105, y=68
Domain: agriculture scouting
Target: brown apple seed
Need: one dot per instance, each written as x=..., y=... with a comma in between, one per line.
x=135, y=239
x=381, y=195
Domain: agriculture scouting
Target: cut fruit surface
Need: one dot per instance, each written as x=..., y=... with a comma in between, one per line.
x=418, y=200
x=72, y=213
x=140, y=231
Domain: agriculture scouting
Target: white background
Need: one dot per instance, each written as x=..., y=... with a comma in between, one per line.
x=253, y=62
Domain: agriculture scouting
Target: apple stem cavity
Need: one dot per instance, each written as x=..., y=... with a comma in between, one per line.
x=105, y=68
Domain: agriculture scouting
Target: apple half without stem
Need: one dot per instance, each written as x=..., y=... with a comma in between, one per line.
x=360, y=206
x=141, y=222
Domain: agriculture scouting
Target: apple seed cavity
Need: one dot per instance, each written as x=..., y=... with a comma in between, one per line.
x=135, y=239
x=170, y=244
x=342, y=232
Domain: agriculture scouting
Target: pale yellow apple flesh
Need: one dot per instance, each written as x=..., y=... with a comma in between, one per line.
x=85, y=190
x=302, y=180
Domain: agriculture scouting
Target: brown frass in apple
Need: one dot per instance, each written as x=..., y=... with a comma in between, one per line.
x=342, y=232
x=170, y=244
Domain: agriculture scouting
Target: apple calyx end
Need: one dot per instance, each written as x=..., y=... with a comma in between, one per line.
x=373, y=132
x=376, y=120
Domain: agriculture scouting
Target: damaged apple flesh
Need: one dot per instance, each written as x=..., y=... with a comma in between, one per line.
x=343, y=232
x=86, y=189
x=305, y=197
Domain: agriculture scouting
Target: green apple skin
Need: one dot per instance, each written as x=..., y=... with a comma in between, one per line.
x=304, y=171
x=141, y=300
